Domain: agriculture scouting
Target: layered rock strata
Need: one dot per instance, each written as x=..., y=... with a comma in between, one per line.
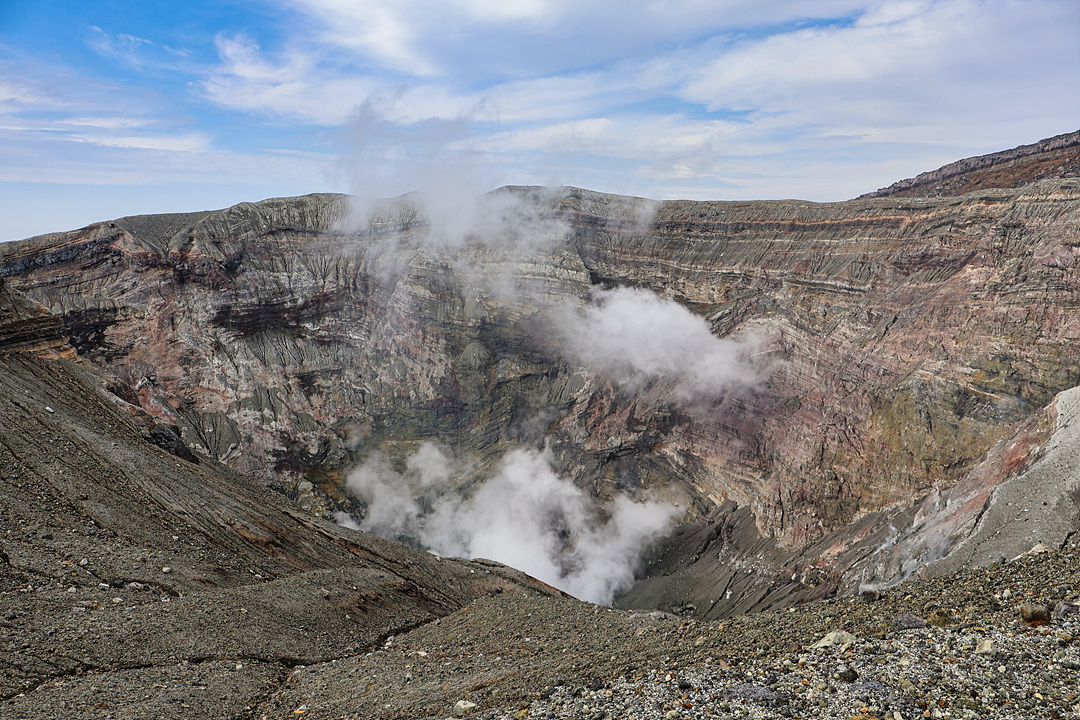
x=125, y=566
x=898, y=341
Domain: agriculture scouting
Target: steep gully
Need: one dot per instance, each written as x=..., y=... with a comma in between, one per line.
x=909, y=351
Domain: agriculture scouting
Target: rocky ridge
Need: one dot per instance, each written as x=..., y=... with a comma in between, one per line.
x=950, y=647
x=1058, y=156
x=913, y=416
x=901, y=343
x=189, y=589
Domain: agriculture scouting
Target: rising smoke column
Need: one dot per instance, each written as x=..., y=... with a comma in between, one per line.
x=634, y=336
x=525, y=515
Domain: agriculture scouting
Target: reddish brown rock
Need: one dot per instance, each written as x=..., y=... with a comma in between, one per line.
x=1056, y=157
x=911, y=350
x=1034, y=614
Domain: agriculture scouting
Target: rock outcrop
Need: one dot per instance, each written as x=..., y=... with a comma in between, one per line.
x=125, y=566
x=900, y=344
x=1056, y=157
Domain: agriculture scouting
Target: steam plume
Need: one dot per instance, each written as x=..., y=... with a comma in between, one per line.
x=431, y=160
x=525, y=515
x=635, y=336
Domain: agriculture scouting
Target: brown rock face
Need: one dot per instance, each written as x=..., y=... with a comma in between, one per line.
x=1056, y=157
x=897, y=341
x=123, y=566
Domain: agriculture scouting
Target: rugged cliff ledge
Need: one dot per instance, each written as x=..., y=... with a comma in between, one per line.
x=1056, y=157
x=898, y=344
x=124, y=568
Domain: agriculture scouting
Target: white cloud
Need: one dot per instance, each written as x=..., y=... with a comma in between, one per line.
x=137, y=52
x=292, y=85
x=424, y=37
x=819, y=99
x=44, y=153
x=384, y=30
x=930, y=66
x=760, y=112
x=501, y=11
x=185, y=142
x=110, y=131
x=107, y=122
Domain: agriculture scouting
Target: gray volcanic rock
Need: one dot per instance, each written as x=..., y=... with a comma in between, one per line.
x=898, y=342
x=124, y=566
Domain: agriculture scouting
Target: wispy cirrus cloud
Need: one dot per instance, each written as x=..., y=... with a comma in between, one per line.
x=723, y=92
x=536, y=37
x=910, y=72
x=292, y=85
x=137, y=52
x=819, y=99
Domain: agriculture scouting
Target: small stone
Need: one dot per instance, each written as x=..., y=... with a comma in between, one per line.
x=84, y=562
x=907, y=621
x=463, y=707
x=1036, y=549
x=847, y=674
x=49, y=409
x=1034, y=614
x=869, y=593
x=836, y=637
x=1064, y=609
x=672, y=715
x=166, y=569
x=941, y=617
x=118, y=600
x=986, y=647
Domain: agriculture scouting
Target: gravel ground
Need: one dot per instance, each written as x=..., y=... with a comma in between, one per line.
x=975, y=672
x=521, y=657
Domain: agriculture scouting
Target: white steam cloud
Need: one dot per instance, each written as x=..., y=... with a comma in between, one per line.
x=525, y=515
x=432, y=160
x=635, y=336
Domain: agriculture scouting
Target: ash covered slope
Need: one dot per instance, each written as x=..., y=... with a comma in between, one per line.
x=899, y=340
x=124, y=567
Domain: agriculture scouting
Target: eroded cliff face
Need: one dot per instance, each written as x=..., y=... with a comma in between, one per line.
x=895, y=341
x=135, y=567
x=1055, y=157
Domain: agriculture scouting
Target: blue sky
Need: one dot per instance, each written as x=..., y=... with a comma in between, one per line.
x=109, y=108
